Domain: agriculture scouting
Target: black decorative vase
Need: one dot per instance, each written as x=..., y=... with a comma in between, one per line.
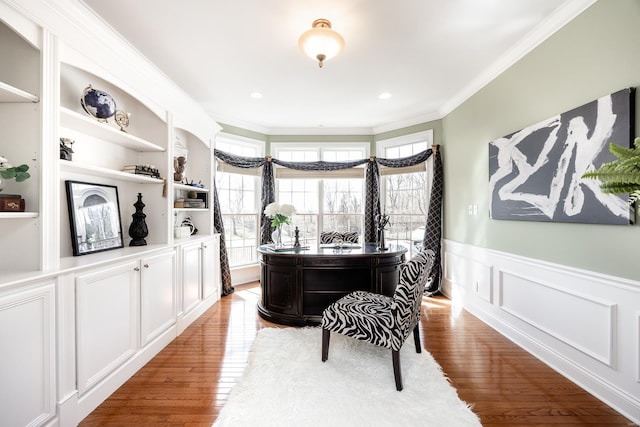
x=138, y=229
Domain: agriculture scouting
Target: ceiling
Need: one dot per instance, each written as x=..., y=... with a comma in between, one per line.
x=430, y=55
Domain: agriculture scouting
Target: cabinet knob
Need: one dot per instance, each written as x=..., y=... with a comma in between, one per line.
x=204, y=246
x=146, y=266
x=136, y=269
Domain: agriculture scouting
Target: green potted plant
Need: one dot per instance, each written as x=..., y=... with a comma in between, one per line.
x=8, y=171
x=620, y=176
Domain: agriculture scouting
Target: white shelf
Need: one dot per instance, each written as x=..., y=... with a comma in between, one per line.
x=189, y=188
x=107, y=173
x=75, y=121
x=9, y=93
x=18, y=215
x=191, y=209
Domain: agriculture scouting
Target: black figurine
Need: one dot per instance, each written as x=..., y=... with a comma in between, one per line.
x=296, y=243
x=138, y=229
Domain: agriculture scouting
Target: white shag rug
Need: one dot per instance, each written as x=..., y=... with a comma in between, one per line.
x=286, y=384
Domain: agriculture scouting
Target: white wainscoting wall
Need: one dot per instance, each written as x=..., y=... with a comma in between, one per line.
x=584, y=325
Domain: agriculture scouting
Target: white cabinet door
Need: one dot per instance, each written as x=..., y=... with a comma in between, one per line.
x=211, y=267
x=157, y=295
x=208, y=271
x=191, y=276
x=27, y=356
x=106, y=321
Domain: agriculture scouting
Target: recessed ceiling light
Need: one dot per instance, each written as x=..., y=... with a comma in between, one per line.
x=256, y=95
x=384, y=95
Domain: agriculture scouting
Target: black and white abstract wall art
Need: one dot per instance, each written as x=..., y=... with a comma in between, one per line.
x=535, y=173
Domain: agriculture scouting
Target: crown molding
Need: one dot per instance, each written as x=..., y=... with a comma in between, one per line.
x=422, y=118
x=232, y=121
x=321, y=131
x=542, y=32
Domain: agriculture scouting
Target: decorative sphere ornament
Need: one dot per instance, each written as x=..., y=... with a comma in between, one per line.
x=97, y=103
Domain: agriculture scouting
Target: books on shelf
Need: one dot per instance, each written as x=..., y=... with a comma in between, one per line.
x=185, y=202
x=147, y=170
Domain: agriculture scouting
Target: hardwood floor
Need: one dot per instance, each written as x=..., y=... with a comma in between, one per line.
x=188, y=382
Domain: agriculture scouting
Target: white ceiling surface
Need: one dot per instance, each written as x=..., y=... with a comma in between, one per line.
x=429, y=54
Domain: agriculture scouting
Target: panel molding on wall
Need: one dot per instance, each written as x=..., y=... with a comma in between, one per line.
x=583, y=324
x=581, y=321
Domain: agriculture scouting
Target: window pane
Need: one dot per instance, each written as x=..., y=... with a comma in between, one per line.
x=342, y=155
x=342, y=223
x=298, y=155
x=238, y=195
x=343, y=196
x=241, y=238
x=307, y=229
x=301, y=193
x=406, y=200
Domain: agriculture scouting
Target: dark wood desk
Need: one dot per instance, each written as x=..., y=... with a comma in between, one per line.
x=298, y=285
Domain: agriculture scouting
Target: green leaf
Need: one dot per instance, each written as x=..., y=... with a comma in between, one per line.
x=618, y=187
x=8, y=173
x=22, y=176
x=623, y=153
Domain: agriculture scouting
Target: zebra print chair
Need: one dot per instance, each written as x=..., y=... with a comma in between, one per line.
x=328, y=237
x=381, y=320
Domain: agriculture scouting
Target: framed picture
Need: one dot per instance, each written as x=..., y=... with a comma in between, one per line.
x=535, y=174
x=94, y=216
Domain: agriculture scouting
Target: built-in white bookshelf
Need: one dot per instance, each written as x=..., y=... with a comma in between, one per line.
x=20, y=144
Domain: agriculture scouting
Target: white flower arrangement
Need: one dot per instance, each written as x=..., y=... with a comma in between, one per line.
x=279, y=214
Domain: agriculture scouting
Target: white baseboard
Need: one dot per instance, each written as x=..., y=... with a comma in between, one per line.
x=584, y=325
x=245, y=274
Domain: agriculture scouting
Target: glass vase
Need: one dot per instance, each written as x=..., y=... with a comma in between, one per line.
x=277, y=238
x=382, y=244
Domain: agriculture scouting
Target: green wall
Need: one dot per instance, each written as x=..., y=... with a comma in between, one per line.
x=596, y=54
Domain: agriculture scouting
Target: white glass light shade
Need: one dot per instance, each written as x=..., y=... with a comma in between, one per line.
x=321, y=42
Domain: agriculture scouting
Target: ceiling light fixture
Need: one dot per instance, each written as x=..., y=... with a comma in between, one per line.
x=321, y=42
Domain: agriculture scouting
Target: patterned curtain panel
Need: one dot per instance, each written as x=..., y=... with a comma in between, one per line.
x=433, y=231
x=268, y=195
x=405, y=161
x=371, y=201
x=320, y=165
x=239, y=161
x=225, y=273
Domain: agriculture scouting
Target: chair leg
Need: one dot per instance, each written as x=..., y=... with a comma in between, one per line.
x=416, y=338
x=326, y=334
x=395, y=355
